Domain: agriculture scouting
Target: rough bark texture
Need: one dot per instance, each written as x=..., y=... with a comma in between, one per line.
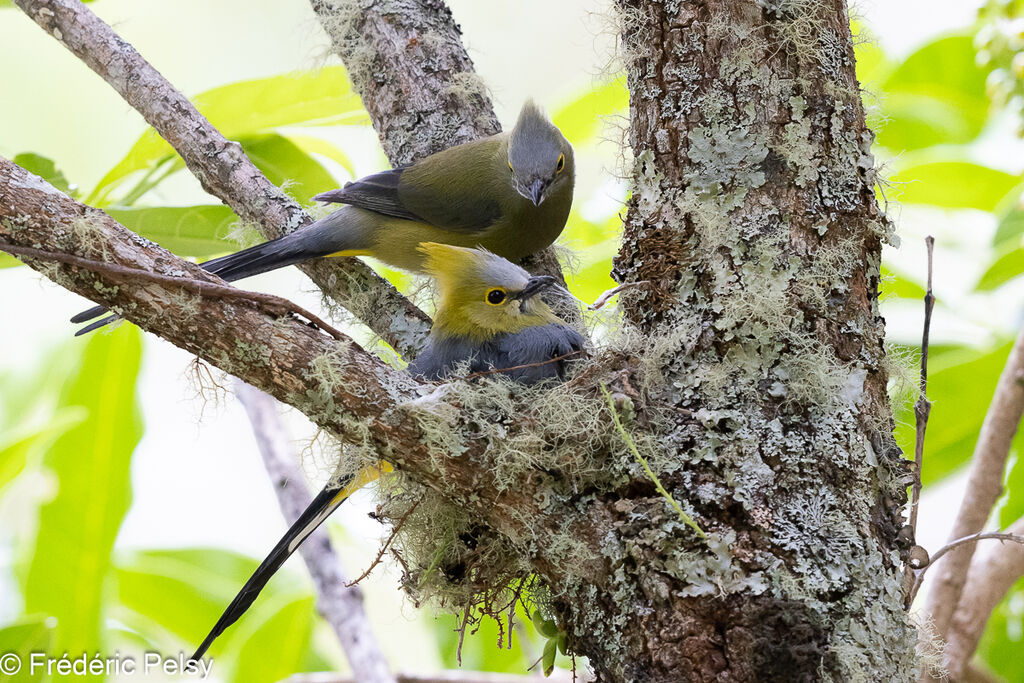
x=224, y=170
x=417, y=111
x=754, y=215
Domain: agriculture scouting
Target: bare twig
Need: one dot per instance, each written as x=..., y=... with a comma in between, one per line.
x=991, y=576
x=222, y=167
x=340, y=604
x=387, y=544
x=210, y=290
x=922, y=408
x=494, y=371
x=984, y=486
x=606, y=296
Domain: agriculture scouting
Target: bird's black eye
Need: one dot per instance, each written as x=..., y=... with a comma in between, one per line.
x=561, y=163
x=495, y=297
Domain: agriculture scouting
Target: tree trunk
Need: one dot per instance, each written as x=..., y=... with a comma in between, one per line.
x=753, y=219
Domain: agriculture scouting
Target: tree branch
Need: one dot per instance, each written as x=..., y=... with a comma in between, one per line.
x=340, y=605
x=407, y=61
x=350, y=393
x=991, y=576
x=223, y=169
x=984, y=486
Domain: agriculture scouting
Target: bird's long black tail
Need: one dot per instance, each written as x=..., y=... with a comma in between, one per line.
x=326, y=236
x=326, y=502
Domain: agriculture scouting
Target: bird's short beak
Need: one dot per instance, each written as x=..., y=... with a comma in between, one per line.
x=537, y=188
x=534, y=285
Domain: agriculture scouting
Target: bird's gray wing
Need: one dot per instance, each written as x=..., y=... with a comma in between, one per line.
x=535, y=348
x=441, y=355
x=377, y=192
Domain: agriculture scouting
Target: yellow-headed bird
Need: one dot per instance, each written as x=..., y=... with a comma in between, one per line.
x=509, y=193
x=488, y=317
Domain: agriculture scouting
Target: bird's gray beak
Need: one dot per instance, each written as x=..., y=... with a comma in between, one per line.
x=534, y=285
x=536, y=190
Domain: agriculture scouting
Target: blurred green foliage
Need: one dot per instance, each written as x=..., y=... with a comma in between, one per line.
x=82, y=423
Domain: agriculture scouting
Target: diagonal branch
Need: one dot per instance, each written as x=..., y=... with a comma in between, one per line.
x=339, y=604
x=991, y=576
x=350, y=393
x=984, y=486
x=223, y=169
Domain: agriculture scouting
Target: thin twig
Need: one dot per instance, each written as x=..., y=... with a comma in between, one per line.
x=647, y=468
x=494, y=371
x=387, y=544
x=997, y=535
x=211, y=290
x=606, y=296
x=990, y=578
x=920, y=570
x=922, y=409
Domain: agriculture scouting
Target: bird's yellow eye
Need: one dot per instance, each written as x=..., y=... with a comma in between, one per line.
x=496, y=297
x=561, y=163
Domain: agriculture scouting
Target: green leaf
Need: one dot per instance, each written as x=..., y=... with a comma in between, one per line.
x=954, y=185
x=896, y=284
x=46, y=169
x=560, y=639
x=22, y=639
x=936, y=96
x=285, y=626
x=68, y=572
x=548, y=659
x=914, y=119
x=1006, y=267
x=313, y=145
x=581, y=119
x=287, y=166
x=546, y=627
x=247, y=108
x=183, y=592
x=1011, y=506
x=1011, y=223
x=199, y=231
x=871, y=61
x=18, y=445
x=948, y=63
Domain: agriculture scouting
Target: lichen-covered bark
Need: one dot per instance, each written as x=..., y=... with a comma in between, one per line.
x=754, y=218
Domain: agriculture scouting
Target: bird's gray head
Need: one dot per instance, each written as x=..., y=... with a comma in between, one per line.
x=539, y=157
